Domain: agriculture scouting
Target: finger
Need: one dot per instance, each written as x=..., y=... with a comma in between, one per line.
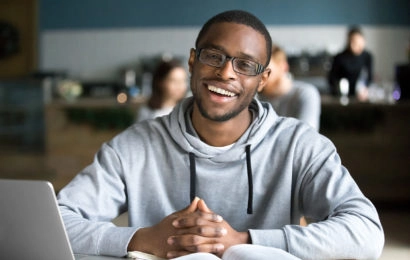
x=217, y=249
x=190, y=240
x=207, y=248
x=203, y=207
x=193, y=206
x=199, y=219
x=174, y=254
x=205, y=231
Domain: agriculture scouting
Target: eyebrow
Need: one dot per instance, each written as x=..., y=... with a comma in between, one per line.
x=242, y=55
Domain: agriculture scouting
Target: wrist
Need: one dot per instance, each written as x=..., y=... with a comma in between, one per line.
x=245, y=238
x=137, y=242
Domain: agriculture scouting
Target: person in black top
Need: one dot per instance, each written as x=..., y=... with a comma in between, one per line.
x=355, y=64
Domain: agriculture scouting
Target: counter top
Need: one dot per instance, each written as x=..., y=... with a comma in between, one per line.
x=97, y=102
x=135, y=102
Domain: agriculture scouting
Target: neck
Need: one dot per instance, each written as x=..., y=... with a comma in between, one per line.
x=169, y=103
x=220, y=134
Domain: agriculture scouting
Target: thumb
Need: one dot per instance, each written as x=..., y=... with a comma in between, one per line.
x=203, y=207
x=193, y=206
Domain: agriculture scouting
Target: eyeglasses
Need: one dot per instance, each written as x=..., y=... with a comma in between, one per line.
x=216, y=59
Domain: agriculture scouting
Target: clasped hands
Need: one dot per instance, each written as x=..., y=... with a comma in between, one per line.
x=193, y=229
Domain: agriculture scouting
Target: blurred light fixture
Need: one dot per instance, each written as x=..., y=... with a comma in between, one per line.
x=122, y=98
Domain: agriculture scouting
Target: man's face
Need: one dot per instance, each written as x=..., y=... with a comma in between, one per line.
x=357, y=43
x=221, y=93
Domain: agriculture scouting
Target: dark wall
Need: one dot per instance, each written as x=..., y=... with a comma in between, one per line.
x=79, y=14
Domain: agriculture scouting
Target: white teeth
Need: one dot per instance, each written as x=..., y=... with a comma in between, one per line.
x=221, y=91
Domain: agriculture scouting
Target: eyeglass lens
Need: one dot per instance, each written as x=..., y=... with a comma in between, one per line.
x=217, y=59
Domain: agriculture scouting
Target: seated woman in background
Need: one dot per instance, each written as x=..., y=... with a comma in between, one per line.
x=169, y=86
x=290, y=98
x=354, y=64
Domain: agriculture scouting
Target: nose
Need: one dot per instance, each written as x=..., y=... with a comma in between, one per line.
x=226, y=71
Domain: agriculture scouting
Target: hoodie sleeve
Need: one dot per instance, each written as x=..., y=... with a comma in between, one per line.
x=89, y=203
x=346, y=223
x=309, y=108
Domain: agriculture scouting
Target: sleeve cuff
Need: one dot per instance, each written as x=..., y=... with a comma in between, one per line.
x=115, y=240
x=271, y=238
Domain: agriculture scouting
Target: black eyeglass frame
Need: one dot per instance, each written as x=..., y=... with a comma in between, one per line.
x=259, y=69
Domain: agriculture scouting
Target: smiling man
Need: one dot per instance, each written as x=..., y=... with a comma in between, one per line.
x=255, y=173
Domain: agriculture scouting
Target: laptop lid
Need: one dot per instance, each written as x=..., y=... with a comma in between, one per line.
x=30, y=223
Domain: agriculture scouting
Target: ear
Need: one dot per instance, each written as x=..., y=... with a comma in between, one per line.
x=191, y=59
x=264, y=79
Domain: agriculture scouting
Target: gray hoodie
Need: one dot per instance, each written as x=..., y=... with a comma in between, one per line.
x=279, y=170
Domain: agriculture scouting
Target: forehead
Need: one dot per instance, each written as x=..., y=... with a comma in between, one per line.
x=357, y=36
x=177, y=71
x=237, y=40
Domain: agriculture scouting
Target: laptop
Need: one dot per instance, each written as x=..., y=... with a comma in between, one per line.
x=31, y=226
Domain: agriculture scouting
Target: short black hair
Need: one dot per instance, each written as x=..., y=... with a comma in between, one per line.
x=239, y=17
x=354, y=30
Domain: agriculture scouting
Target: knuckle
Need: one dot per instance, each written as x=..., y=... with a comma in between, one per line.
x=206, y=215
x=194, y=240
x=194, y=248
x=200, y=230
x=197, y=248
x=220, y=231
x=216, y=218
x=218, y=248
x=182, y=221
x=202, y=214
x=198, y=221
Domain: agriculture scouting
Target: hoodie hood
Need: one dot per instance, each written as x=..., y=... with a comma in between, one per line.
x=180, y=127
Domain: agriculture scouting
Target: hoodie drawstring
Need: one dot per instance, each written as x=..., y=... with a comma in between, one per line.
x=250, y=179
x=192, y=169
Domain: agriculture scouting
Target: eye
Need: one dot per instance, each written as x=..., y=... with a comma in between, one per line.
x=213, y=56
x=245, y=65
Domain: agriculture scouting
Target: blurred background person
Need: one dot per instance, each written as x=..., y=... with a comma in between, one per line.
x=290, y=98
x=169, y=86
x=355, y=64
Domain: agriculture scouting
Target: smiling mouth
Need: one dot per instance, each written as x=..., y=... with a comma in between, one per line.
x=221, y=91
